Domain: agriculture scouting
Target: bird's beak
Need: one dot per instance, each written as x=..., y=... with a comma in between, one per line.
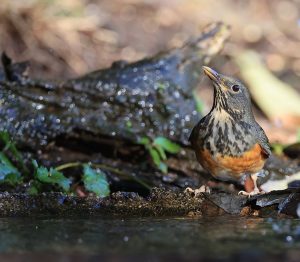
x=212, y=74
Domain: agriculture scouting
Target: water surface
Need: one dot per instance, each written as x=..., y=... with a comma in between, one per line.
x=89, y=238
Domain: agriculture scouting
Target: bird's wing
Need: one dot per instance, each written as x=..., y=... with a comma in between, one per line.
x=263, y=140
x=195, y=134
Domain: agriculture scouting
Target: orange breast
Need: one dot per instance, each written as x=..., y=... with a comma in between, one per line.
x=250, y=162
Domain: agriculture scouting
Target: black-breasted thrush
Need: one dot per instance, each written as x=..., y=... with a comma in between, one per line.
x=228, y=142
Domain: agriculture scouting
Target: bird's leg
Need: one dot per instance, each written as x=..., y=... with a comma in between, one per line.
x=255, y=191
x=196, y=192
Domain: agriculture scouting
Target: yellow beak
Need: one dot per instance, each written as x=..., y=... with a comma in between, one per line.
x=212, y=74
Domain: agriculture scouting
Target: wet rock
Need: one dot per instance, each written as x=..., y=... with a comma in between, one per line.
x=231, y=204
x=292, y=151
x=285, y=201
x=13, y=72
x=290, y=205
x=160, y=202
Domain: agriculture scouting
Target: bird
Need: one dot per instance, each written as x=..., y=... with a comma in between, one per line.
x=228, y=142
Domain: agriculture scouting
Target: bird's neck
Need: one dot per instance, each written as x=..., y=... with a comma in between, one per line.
x=223, y=110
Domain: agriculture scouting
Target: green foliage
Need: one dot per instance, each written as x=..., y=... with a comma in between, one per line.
x=4, y=136
x=129, y=124
x=51, y=176
x=157, y=150
x=144, y=141
x=155, y=156
x=95, y=181
x=161, y=151
x=277, y=148
x=199, y=103
x=35, y=187
x=8, y=172
x=163, y=167
x=161, y=86
x=298, y=135
x=11, y=147
x=166, y=145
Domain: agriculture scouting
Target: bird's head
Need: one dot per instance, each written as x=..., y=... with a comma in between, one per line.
x=230, y=95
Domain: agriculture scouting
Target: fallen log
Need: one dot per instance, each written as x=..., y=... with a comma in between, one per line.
x=101, y=116
x=152, y=97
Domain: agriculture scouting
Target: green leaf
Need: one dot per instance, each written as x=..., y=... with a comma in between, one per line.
x=4, y=136
x=277, y=148
x=161, y=86
x=155, y=156
x=144, y=141
x=8, y=172
x=199, y=103
x=9, y=145
x=128, y=124
x=167, y=145
x=161, y=152
x=5, y=161
x=95, y=181
x=163, y=167
x=51, y=176
x=157, y=161
x=15, y=151
x=13, y=178
x=32, y=190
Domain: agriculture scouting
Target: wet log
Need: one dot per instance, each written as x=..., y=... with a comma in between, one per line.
x=101, y=116
x=152, y=97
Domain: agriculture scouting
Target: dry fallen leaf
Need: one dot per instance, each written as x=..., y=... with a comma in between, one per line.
x=272, y=185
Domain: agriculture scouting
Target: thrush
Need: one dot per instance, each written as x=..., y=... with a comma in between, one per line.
x=228, y=142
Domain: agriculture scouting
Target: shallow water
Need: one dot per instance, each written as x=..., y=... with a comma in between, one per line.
x=222, y=238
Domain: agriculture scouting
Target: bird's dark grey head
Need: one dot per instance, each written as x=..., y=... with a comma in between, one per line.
x=230, y=95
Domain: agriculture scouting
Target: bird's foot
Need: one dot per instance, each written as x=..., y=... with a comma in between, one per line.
x=198, y=191
x=255, y=191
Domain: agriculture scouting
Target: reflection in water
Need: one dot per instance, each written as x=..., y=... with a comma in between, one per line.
x=221, y=237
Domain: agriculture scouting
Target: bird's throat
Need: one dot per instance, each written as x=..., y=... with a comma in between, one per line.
x=226, y=136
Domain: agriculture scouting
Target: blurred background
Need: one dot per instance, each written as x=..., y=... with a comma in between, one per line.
x=67, y=38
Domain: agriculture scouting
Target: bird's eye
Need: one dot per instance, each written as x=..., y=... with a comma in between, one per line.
x=235, y=88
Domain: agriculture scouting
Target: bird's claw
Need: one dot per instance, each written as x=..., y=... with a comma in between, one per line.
x=197, y=191
x=255, y=192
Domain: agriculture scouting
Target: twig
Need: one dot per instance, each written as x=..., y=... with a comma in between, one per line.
x=104, y=167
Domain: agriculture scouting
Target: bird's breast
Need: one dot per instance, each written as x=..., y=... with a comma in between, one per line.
x=227, y=137
x=227, y=167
